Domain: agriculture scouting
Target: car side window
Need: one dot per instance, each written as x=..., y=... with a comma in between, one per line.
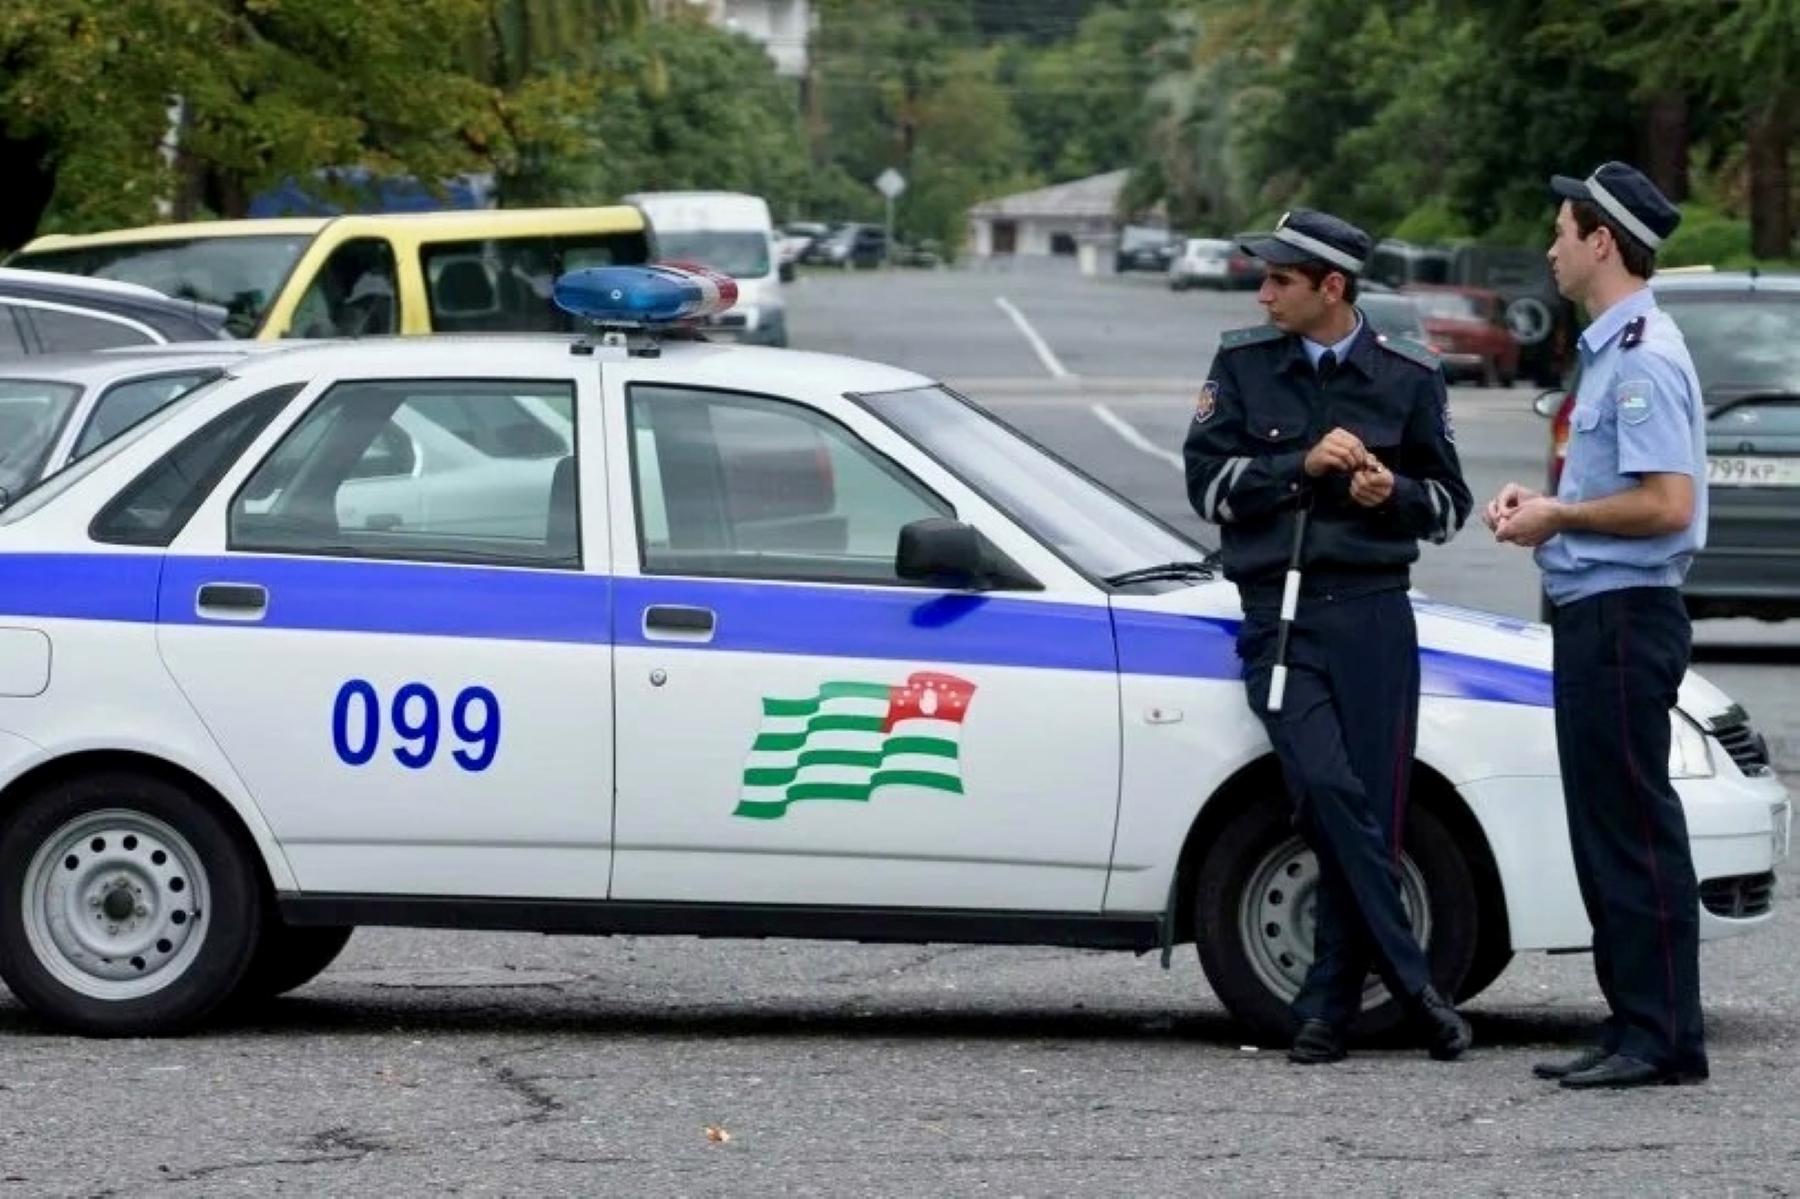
x=746, y=486
x=154, y=507
x=60, y=332
x=356, y=293
x=125, y=404
x=384, y=470
x=504, y=284
x=12, y=337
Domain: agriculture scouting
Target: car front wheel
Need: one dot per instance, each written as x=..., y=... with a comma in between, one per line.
x=288, y=956
x=127, y=907
x=1255, y=909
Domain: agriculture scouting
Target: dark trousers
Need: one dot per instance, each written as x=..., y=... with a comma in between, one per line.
x=1345, y=737
x=1620, y=657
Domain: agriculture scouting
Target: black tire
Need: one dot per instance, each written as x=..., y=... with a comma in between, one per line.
x=1253, y=840
x=121, y=838
x=1492, y=957
x=289, y=956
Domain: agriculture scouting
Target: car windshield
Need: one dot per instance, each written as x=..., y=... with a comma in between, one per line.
x=32, y=415
x=240, y=274
x=47, y=487
x=1740, y=343
x=1390, y=314
x=1448, y=306
x=743, y=255
x=1096, y=530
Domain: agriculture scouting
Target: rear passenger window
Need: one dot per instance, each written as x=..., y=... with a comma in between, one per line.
x=125, y=404
x=156, y=505
x=504, y=285
x=61, y=332
x=429, y=470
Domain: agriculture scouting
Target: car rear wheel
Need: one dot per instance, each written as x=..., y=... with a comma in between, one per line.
x=1256, y=901
x=128, y=908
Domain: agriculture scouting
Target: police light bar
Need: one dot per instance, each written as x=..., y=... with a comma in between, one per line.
x=640, y=296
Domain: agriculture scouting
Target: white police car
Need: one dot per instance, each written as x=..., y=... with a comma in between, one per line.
x=605, y=637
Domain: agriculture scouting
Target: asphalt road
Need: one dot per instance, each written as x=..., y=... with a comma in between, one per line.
x=472, y=1064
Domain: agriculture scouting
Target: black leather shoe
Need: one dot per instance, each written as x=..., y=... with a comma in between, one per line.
x=1316, y=1043
x=1447, y=1035
x=1618, y=1071
x=1574, y=1065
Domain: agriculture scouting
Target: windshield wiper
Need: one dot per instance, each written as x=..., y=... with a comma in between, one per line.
x=1166, y=570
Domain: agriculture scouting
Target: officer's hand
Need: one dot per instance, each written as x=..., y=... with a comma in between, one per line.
x=1372, y=484
x=1531, y=523
x=1510, y=497
x=1338, y=450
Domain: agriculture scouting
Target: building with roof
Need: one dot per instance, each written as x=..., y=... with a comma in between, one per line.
x=1050, y=220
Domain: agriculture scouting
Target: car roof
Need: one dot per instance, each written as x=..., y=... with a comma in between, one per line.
x=113, y=297
x=85, y=285
x=724, y=365
x=94, y=369
x=1681, y=280
x=447, y=224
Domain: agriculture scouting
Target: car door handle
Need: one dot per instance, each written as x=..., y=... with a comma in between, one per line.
x=678, y=622
x=232, y=601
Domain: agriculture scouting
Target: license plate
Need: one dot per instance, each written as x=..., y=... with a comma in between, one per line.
x=1737, y=471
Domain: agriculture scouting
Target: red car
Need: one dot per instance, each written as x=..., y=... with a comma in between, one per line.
x=1468, y=325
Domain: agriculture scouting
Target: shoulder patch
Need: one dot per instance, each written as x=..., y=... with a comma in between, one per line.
x=1233, y=339
x=1207, y=402
x=1634, y=335
x=1410, y=350
x=1633, y=397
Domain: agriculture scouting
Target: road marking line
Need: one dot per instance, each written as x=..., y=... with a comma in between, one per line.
x=1056, y=369
x=1135, y=439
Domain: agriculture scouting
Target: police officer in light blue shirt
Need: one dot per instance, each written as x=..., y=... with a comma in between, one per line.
x=1614, y=544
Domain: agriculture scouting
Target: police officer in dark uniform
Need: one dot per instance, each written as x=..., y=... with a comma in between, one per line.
x=1614, y=544
x=1315, y=421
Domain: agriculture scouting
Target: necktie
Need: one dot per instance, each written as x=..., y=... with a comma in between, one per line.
x=1327, y=364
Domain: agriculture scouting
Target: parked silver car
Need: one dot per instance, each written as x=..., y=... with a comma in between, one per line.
x=56, y=408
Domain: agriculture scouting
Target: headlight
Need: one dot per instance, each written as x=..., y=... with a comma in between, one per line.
x=1689, y=755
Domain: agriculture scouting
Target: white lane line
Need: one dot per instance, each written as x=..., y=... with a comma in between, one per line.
x=1133, y=438
x=1056, y=369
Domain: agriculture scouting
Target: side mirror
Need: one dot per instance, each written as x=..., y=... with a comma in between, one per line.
x=947, y=553
x=786, y=272
x=1545, y=403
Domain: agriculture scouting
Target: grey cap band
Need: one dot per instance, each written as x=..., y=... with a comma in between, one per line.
x=1319, y=249
x=1618, y=212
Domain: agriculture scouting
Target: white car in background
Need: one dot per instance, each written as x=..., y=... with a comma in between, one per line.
x=704, y=639
x=1201, y=262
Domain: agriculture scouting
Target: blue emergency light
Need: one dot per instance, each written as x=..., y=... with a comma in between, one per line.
x=643, y=296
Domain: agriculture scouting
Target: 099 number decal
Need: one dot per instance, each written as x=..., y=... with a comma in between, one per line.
x=416, y=718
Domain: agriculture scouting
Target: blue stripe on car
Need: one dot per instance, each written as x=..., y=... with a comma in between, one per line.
x=354, y=596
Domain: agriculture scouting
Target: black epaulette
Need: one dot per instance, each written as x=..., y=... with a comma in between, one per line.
x=1634, y=334
x=1410, y=350
x=1233, y=339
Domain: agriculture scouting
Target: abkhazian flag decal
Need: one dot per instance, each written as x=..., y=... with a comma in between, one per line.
x=854, y=739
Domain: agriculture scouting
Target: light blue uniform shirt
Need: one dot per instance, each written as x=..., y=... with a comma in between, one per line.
x=1315, y=351
x=1637, y=412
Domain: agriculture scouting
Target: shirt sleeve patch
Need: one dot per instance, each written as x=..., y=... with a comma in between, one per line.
x=1207, y=402
x=1634, y=399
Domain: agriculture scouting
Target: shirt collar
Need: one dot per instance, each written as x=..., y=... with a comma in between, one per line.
x=1315, y=351
x=1609, y=323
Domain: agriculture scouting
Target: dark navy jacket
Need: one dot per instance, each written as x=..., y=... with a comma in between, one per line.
x=1263, y=408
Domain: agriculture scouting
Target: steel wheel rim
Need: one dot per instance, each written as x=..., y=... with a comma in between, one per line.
x=1276, y=916
x=113, y=904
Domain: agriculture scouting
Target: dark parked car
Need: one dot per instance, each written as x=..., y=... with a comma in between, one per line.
x=42, y=312
x=846, y=246
x=1145, y=248
x=1467, y=326
x=1743, y=331
x=1542, y=322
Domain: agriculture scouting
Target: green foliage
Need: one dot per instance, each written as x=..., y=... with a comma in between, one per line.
x=1706, y=236
x=1433, y=222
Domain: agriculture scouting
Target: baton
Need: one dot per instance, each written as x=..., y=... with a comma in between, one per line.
x=1290, y=603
